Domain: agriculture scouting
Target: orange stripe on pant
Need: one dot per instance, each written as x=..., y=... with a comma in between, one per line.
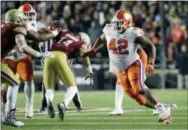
x=132, y=80
x=23, y=67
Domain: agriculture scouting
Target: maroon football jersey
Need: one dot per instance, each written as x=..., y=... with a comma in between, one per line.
x=7, y=38
x=66, y=42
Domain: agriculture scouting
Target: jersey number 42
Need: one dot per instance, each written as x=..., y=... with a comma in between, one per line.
x=119, y=46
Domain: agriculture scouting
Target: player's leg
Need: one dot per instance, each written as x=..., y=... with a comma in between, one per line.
x=44, y=102
x=49, y=80
x=77, y=101
x=12, y=80
x=25, y=71
x=66, y=75
x=4, y=89
x=119, y=94
x=136, y=78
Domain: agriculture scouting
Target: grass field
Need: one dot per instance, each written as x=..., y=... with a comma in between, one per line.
x=97, y=105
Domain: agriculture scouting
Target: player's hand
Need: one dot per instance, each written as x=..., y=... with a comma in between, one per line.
x=90, y=77
x=150, y=69
x=45, y=55
x=89, y=53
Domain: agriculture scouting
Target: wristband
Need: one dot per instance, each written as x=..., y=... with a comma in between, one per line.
x=55, y=33
x=151, y=61
x=38, y=54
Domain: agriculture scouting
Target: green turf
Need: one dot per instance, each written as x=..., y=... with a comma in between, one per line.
x=135, y=118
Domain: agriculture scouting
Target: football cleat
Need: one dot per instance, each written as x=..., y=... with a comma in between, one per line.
x=51, y=111
x=11, y=120
x=155, y=112
x=77, y=103
x=116, y=112
x=164, y=114
x=29, y=110
x=168, y=120
x=61, y=109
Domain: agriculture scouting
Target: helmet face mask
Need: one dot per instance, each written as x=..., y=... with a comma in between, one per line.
x=122, y=20
x=118, y=25
x=31, y=15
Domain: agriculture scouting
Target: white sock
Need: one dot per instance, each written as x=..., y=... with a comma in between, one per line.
x=29, y=90
x=71, y=91
x=49, y=95
x=119, y=94
x=11, y=97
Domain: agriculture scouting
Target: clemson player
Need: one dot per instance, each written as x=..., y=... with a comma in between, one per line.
x=119, y=94
x=122, y=42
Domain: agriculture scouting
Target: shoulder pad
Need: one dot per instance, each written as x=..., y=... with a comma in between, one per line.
x=107, y=28
x=137, y=31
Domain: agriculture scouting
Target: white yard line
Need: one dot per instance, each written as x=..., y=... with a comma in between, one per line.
x=95, y=123
x=104, y=118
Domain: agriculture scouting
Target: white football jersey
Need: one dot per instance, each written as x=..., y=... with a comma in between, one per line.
x=121, y=47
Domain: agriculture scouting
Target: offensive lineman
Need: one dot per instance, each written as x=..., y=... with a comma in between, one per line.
x=122, y=41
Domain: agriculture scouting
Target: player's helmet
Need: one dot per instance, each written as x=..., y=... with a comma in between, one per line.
x=122, y=20
x=31, y=15
x=85, y=38
x=15, y=16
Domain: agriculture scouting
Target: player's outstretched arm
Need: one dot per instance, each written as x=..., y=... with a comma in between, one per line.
x=43, y=34
x=23, y=47
x=87, y=64
x=99, y=43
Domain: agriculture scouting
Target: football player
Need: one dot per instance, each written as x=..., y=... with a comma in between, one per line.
x=64, y=46
x=13, y=32
x=21, y=63
x=43, y=47
x=122, y=41
x=119, y=94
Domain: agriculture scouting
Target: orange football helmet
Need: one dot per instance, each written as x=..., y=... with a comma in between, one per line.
x=31, y=15
x=122, y=20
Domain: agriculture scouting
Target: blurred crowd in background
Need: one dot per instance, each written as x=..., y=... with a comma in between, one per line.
x=91, y=17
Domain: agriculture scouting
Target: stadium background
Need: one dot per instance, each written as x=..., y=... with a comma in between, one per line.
x=166, y=23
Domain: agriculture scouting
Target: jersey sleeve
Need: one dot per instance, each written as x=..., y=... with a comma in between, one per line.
x=21, y=30
x=137, y=32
